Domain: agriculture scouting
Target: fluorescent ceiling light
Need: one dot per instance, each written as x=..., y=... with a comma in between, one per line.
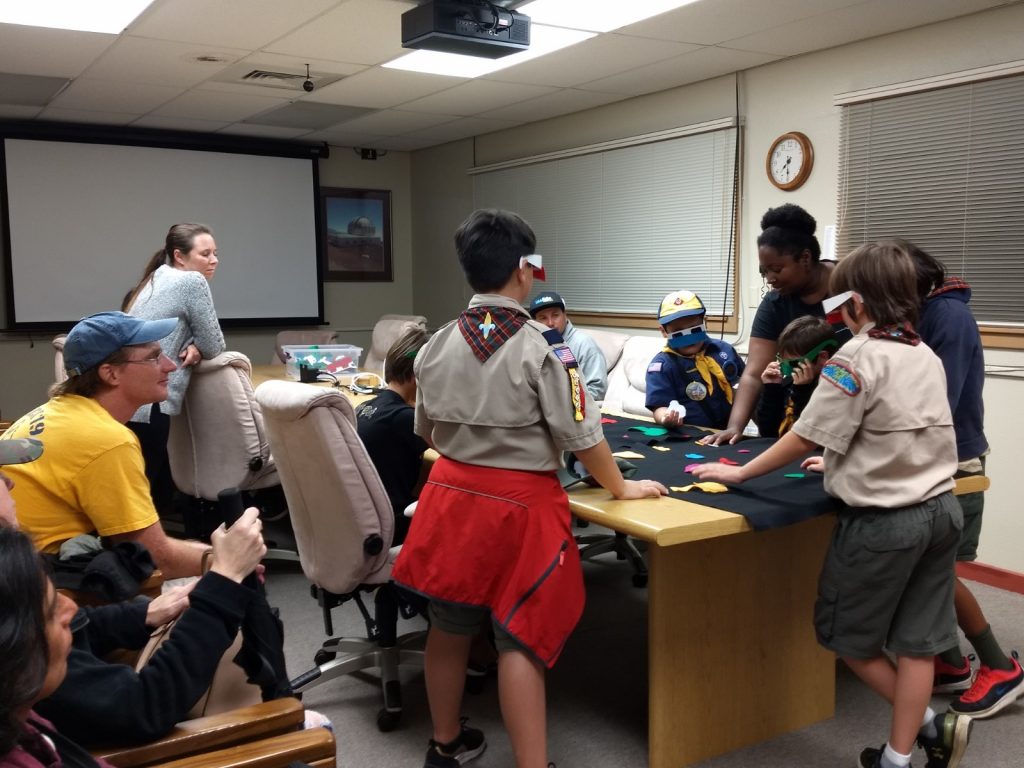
x=110, y=16
x=543, y=40
x=596, y=15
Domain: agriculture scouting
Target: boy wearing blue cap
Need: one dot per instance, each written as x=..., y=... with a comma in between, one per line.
x=548, y=308
x=91, y=479
x=692, y=378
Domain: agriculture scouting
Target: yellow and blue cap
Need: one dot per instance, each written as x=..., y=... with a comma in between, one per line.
x=680, y=304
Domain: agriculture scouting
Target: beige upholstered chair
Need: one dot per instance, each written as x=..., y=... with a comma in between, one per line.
x=385, y=333
x=319, y=336
x=343, y=522
x=610, y=342
x=59, y=374
x=218, y=441
x=627, y=381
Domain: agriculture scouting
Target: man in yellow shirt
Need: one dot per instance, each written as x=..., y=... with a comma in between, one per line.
x=91, y=477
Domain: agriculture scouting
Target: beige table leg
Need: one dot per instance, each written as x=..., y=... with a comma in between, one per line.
x=732, y=654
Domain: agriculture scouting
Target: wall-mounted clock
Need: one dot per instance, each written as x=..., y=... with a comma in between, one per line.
x=789, y=160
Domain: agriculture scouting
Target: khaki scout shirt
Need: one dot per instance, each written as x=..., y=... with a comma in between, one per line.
x=886, y=428
x=513, y=412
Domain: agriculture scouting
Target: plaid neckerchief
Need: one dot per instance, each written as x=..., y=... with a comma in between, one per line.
x=485, y=329
x=950, y=284
x=903, y=333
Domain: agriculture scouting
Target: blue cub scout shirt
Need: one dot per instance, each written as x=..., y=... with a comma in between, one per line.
x=674, y=377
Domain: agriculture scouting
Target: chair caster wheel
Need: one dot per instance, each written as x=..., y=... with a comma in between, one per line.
x=388, y=721
x=322, y=657
x=639, y=580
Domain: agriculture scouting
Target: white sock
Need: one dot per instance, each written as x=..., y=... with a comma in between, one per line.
x=928, y=724
x=891, y=757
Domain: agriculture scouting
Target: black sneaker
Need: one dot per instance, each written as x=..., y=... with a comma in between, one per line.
x=468, y=745
x=947, y=749
x=871, y=757
x=950, y=679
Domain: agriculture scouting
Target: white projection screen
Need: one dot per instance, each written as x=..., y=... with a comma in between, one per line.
x=84, y=218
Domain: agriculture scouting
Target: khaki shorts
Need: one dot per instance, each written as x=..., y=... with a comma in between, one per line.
x=888, y=580
x=468, y=620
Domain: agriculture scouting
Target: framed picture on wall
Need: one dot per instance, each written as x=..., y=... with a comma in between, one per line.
x=356, y=237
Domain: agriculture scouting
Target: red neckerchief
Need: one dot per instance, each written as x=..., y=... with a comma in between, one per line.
x=950, y=284
x=485, y=329
x=901, y=332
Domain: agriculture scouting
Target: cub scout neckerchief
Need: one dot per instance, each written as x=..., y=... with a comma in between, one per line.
x=485, y=329
x=709, y=370
x=904, y=333
x=950, y=284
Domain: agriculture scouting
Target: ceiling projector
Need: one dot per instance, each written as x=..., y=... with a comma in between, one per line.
x=467, y=27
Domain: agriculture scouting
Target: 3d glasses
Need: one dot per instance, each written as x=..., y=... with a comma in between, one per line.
x=786, y=366
x=687, y=337
x=536, y=262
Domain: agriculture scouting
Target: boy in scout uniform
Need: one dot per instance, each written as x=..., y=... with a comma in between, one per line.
x=881, y=413
x=697, y=371
x=500, y=398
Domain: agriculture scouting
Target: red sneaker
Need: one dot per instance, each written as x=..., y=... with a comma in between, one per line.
x=993, y=690
x=950, y=679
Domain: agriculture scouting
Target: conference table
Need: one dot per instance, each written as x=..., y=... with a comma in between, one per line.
x=732, y=656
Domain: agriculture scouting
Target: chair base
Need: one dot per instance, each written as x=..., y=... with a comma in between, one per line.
x=624, y=549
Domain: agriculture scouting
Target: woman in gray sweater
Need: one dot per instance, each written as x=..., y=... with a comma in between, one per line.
x=175, y=284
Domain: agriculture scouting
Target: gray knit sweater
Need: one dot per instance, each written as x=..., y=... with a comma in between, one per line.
x=186, y=296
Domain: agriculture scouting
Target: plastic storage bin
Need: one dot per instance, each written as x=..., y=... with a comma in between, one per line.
x=335, y=359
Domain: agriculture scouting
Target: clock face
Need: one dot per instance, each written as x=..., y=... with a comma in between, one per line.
x=789, y=161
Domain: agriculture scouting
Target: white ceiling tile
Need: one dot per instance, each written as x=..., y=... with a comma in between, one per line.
x=169, y=123
x=14, y=112
x=360, y=31
x=237, y=23
x=137, y=60
x=264, y=131
x=592, y=59
x=86, y=116
x=477, y=96
x=339, y=137
x=561, y=102
x=105, y=96
x=702, y=64
x=392, y=122
x=382, y=88
x=462, y=128
x=406, y=143
x=49, y=52
x=226, y=107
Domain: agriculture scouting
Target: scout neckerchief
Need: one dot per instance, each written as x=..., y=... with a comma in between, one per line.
x=709, y=371
x=485, y=329
x=904, y=333
x=789, y=417
x=950, y=284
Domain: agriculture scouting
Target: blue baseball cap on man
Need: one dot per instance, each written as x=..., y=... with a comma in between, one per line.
x=97, y=337
x=545, y=300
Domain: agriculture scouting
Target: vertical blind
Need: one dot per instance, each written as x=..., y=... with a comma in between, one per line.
x=945, y=170
x=619, y=229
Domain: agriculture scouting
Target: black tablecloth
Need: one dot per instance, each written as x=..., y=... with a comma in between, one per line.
x=769, y=501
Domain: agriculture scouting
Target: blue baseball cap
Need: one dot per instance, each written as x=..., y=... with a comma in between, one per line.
x=545, y=300
x=19, y=450
x=97, y=337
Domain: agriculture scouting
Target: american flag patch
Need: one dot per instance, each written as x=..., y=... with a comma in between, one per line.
x=654, y=367
x=564, y=354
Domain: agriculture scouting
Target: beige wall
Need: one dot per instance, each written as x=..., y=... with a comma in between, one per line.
x=793, y=95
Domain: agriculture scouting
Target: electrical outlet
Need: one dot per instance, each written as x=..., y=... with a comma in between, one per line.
x=754, y=296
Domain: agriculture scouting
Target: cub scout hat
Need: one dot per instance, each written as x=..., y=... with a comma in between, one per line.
x=20, y=450
x=545, y=300
x=97, y=337
x=680, y=304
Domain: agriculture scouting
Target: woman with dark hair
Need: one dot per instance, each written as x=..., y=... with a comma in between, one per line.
x=797, y=278
x=35, y=638
x=175, y=283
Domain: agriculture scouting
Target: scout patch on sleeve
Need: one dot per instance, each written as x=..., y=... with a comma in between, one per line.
x=563, y=353
x=838, y=375
x=579, y=401
x=654, y=367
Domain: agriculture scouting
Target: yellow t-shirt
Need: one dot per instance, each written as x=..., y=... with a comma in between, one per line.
x=90, y=478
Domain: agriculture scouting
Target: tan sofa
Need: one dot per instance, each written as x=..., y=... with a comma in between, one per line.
x=628, y=358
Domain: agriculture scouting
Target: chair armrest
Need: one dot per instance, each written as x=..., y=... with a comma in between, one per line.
x=210, y=733
x=315, y=747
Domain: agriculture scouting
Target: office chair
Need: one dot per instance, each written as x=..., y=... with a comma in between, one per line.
x=385, y=333
x=305, y=338
x=59, y=374
x=218, y=442
x=343, y=524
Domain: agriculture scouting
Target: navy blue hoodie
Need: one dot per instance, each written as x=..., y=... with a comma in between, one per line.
x=948, y=327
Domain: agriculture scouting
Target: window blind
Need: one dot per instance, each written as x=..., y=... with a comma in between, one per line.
x=945, y=170
x=620, y=228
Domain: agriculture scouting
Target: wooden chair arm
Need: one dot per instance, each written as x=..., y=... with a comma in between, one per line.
x=315, y=747
x=211, y=733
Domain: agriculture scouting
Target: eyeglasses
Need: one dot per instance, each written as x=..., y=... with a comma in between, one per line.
x=786, y=366
x=153, y=359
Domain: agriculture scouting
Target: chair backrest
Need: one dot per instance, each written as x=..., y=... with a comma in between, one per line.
x=217, y=441
x=319, y=336
x=59, y=374
x=627, y=382
x=610, y=342
x=340, y=512
x=385, y=333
